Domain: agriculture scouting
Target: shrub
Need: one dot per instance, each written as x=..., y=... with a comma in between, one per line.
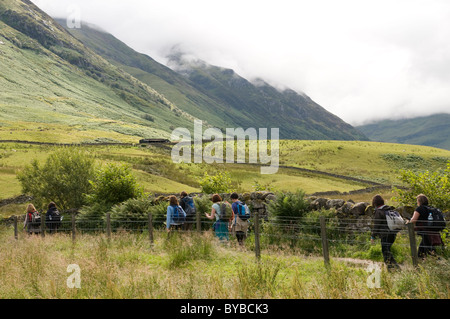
x=159, y=212
x=435, y=185
x=63, y=178
x=285, y=212
x=113, y=184
x=203, y=205
x=131, y=214
x=219, y=183
x=289, y=205
x=91, y=218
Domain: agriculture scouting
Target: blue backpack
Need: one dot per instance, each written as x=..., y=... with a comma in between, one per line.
x=179, y=216
x=243, y=211
x=190, y=206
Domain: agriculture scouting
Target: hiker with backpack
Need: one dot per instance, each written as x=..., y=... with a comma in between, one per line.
x=53, y=218
x=386, y=223
x=241, y=214
x=176, y=216
x=429, y=222
x=222, y=213
x=32, y=222
x=188, y=205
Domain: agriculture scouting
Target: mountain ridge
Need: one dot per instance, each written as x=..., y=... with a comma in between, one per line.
x=85, y=82
x=214, y=95
x=432, y=130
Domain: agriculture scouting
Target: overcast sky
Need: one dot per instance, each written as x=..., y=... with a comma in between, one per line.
x=360, y=59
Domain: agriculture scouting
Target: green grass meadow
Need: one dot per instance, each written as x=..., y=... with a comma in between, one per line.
x=157, y=173
x=57, y=90
x=194, y=267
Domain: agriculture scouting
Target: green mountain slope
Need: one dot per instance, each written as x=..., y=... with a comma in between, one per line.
x=220, y=96
x=49, y=77
x=431, y=130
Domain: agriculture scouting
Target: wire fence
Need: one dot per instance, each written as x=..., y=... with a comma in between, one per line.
x=314, y=234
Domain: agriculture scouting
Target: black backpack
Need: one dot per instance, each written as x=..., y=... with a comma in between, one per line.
x=189, y=206
x=53, y=218
x=438, y=223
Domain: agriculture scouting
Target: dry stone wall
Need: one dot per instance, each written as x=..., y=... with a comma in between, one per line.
x=357, y=215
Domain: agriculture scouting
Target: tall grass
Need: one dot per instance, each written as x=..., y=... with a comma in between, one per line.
x=184, y=248
x=192, y=266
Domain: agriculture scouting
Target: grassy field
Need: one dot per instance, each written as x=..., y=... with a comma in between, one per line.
x=199, y=267
x=156, y=172
x=193, y=267
x=374, y=161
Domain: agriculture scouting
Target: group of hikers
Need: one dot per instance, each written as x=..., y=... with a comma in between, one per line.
x=33, y=219
x=233, y=219
x=428, y=223
x=228, y=218
x=387, y=222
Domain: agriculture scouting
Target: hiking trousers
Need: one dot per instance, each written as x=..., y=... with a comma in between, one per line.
x=386, y=243
x=428, y=244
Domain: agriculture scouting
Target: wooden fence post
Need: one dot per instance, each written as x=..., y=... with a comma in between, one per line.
x=16, y=233
x=198, y=218
x=73, y=228
x=108, y=225
x=42, y=225
x=257, y=244
x=150, y=228
x=413, y=245
x=323, y=232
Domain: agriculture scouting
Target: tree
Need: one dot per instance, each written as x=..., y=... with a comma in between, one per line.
x=113, y=184
x=63, y=178
x=219, y=183
x=435, y=185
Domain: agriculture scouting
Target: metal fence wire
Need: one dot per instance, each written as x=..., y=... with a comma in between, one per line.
x=318, y=232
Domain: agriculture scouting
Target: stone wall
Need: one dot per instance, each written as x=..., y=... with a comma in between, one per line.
x=259, y=201
x=357, y=215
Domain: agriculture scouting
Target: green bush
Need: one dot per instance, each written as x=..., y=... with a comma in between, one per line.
x=219, y=183
x=203, y=205
x=91, y=218
x=63, y=179
x=435, y=185
x=113, y=184
x=110, y=185
x=131, y=214
x=288, y=205
x=159, y=213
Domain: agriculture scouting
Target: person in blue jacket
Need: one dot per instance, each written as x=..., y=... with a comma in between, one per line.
x=171, y=221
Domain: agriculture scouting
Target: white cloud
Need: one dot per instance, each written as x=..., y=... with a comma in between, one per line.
x=361, y=60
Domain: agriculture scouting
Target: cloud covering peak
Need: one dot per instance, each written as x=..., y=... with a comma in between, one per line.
x=361, y=60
